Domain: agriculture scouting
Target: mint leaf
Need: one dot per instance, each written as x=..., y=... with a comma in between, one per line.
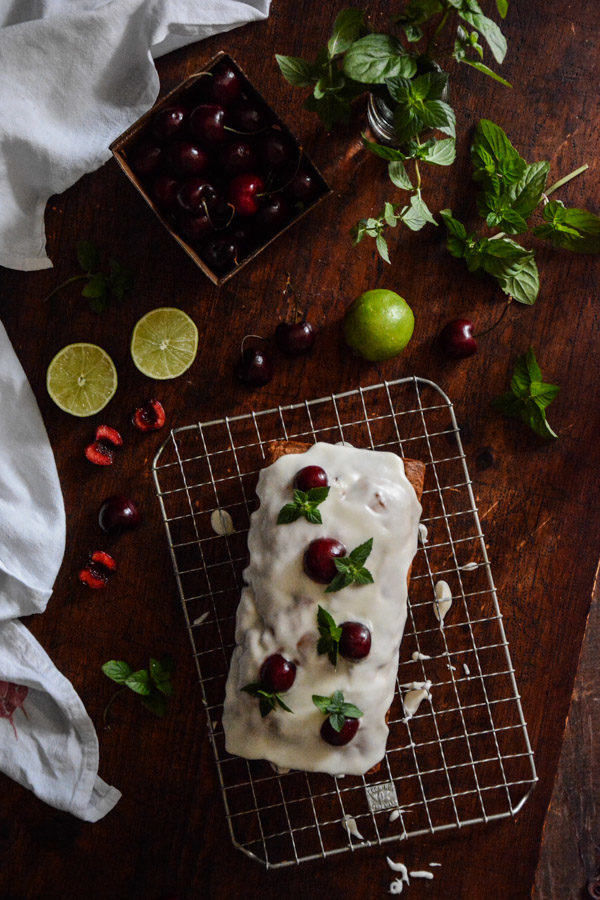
x=382, y=248
x=96, y=287
x=481, y=67
x=156, y=703
x=88, y=256
x=337, y=709
x=439, y=153
x=297, y=71
x=305, y=504
x=494, y=158
x=440, y=115
x=322, y=703
x=526, y=193
x=160, y=673
x=339, y=582
x=289, y=513
x=117, y=670
x=472, y=13
x=350, y=569
x=267, y=700
x=418, y=214
x=570, y=228
x=528, y=397
x=389, y=153
x=360, y=554
x=139, y=682
x=329, y=635
x=522, y=283
x=376, y=57
x=347, y=28
x=399, y=176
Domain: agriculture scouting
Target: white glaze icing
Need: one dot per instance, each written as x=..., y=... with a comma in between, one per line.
x=467, y=669
x=443, y=600
x=221, y=522
x=421, y=874
x=469, y=567
x=423, y=538
x=201, y=618
x=416, y=656
x=396, y=887
x=419, y=690
x=369, y=496
x=395, y=814
x=349, y=823
x=398, y=867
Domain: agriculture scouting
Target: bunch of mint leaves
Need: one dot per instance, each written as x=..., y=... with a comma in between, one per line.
x=267, y=700
x=351, y=568
x=102, y=286
x=305, y=504
x=329, y=636
x=411, y=84
x=336, y=709
x=154, y=685
x=510, y=191
x=528, y=397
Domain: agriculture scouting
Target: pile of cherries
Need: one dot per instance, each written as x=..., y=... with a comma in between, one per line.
x=221, y=171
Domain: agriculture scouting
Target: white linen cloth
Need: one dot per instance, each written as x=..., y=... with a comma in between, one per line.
x=47, y=740
x=74, y=74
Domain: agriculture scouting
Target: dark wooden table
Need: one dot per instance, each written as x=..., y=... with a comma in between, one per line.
x=539, y=502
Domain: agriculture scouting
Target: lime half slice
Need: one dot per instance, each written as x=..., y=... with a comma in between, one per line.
x=81, y=379
x=164, y=343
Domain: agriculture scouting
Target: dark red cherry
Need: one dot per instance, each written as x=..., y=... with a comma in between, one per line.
x=273, y=213
x=254, y=368
x=319, y=559
x=237, y=156
x=207, y=123
x=194, y=228
x=164, y=191
x=277, y=150
x=196, y=195
x=457, y=340
x=247, y=117
x=147, y=158
x=311, y=477
x=355, y=641
x=186, y=158
x=295, y=338
x=221, y=254
x=118, y=514
x=303, y=187
x=277, y=673
x=169, y=121
x=244, y=191
x=339, y=738
x=225, y=85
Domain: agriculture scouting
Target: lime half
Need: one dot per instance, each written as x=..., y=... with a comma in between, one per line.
x=164, y=343
x=81, y=379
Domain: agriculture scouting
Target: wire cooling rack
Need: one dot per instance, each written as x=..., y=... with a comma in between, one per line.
x=464, y=757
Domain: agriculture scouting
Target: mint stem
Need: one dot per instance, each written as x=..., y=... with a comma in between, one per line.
x=64, y=284
x=558, y=184
x=108, y=706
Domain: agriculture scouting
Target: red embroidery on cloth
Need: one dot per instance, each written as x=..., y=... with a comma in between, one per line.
x=12, y=697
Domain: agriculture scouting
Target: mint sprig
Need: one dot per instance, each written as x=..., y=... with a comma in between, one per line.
x=267, y=700
x=336, y=709
x=351, y=569
x=528, y=397
x=154, y=685
x=305, y=504
x=102, y=285
x=329, y=636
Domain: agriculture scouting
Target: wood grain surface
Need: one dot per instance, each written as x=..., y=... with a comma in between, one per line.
x=538, y=502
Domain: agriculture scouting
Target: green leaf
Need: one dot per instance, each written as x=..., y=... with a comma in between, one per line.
x=360, y=554
x=317, y=494
x=266, y=704
x=96, y=286
x=362, y=576
x=487, y=28
x=543, y=394
x=289, y=513
x=502, y=6
x=339, y=582
x=418, y=214
x=117, y=670
x=281, y=703
x=570, y=228
x=399, y=176
x=389, y=214
x=332, y=108
x=440, y=115
x=384, y=152
x=524, y=283
x=297, y=71
x=492, y=153
x=156, y=703
x=529, y=396
x=533, y=368
x=322, y=703
x=313, y=516
x=347, y=28
x=406, y=123
x=382, y=248
x=88, y=256
x=440, y=153
x=417, y=12
x=527, y=192
x=337, y=720
x=376, y=57
x=139, y=682
x=412, y=33
x=481, y=67
x=351, y=711
x=160, y=673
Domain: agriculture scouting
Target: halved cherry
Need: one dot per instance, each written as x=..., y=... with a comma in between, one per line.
x=150, y=417
x=101, y=451
x=98, y=570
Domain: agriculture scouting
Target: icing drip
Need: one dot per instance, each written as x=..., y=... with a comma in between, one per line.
x=221, y=522
x=443, y=600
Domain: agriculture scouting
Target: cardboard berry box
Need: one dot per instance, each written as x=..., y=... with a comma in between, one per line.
x=219, y=168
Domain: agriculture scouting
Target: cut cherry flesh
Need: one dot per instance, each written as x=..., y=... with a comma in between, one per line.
x=457, y=340
x=196, y=195
x=207, y=123
x=118, y=514
x=355, y=641
x=186, y=158
x=98, y=569
x=339, y=738
x=226, y=84
x=311, y=477
x=295, y=338
x=277, y=673
x=150, y=417
x=101, y=451
x=319, y=559
x=254, y=367
x=243, y=193
x=169, y=121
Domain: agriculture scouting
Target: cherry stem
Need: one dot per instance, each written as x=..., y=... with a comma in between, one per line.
x=65, y=283
x=289, y=288
x=108, y=706
x=258, y=337
x=498, y=320
x=222, y=227
x=246, y=133
x=289, y=181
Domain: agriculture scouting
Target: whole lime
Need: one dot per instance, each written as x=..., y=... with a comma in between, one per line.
x=378, y=325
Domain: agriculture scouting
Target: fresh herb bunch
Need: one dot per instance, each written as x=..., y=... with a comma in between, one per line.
x=336, y=709
x=510, y=191
x=410, y=83
x=329, y=636
x=154, y=685
x=351, y=568
x=528, y=397
x=267, y=700
x=101, y=287
x=305, y=504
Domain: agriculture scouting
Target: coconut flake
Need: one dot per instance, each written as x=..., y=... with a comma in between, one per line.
x=443, y=600
x=221, y=522
x=349, y=823
x=423, y=533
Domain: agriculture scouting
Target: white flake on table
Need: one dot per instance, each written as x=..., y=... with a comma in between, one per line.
x=201, y=618
x=349, y=823
x=396, y=887
x=417, y=656
x=469, y=567
x=421, y=874
x=221, y=522
x=423, y=538
x=443, y=600
x=467, y=669
x=398, y=867
x=395, y=814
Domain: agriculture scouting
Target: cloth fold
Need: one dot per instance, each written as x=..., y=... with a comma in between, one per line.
x=74, y=74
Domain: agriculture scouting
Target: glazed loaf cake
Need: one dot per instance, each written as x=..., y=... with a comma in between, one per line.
x=373, y=496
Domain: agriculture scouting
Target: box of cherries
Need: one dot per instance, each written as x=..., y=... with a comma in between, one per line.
x=219, y=168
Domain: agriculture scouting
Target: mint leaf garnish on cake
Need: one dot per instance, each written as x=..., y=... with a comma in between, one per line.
x=305, y=504
x=351, y=569
x=329, y=636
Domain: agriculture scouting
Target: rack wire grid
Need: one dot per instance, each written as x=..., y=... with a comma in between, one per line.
x=464, y=757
